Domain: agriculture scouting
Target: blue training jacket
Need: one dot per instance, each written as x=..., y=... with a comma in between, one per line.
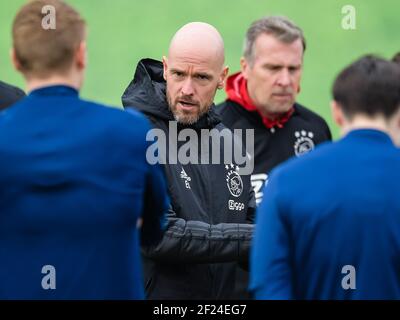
x=74, y=181
x=329, y=224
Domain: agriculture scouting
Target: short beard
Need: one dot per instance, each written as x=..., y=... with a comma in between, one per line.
x=185, y=119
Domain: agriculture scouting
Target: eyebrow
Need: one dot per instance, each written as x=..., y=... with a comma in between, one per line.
x=203, y=74
x=196, y=74
x=271, y=65
x=173, y=70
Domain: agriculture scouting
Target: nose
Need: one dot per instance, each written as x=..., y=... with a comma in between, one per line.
x=284, y=79
x=187, y=87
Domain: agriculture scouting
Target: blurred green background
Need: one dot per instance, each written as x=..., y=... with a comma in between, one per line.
x=123, y=31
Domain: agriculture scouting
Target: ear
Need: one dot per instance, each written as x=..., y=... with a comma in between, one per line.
x=398, y=122
x=81, y=56
x=165, y=67
x=222, y=77
x=244, y=67
x=337, y=114
x=14, y=60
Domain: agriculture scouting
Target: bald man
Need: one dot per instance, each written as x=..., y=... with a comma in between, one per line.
x=212, y=205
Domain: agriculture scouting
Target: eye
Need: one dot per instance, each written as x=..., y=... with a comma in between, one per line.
x=178, y=74
x=202, y=77
x=293, y=69
x=272, y=68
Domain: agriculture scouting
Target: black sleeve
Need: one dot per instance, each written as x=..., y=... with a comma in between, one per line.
x=9, y=95
x=251, y=206
x=328, y=132
x=250, y=218
x=200, y=242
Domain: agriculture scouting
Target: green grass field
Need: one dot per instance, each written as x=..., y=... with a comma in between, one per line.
x=123, y=31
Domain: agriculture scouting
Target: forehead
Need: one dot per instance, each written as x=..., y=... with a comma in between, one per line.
x=198, y=60
x=268, y=49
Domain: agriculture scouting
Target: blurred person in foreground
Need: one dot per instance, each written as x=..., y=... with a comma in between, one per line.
x=75, y=179
x=328, y=226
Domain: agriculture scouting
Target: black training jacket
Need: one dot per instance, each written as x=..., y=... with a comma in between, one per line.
x=9, y=95
x=209, y=226
x=301, y=134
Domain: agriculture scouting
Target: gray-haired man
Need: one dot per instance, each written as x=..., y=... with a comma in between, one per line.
x=263, y=97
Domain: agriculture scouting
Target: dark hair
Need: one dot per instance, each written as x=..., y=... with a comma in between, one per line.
x=369, y=86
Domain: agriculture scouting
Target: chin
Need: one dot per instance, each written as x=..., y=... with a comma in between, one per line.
x=284, y=108
x=186, y=119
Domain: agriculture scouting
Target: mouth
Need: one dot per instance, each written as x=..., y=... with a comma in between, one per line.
x=282, y=96
x=186, y=105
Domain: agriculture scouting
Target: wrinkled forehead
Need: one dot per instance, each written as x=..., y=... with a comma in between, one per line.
x=206, y=59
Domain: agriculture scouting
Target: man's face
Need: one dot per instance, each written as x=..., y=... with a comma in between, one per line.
x=192, y=81
x=273, y=77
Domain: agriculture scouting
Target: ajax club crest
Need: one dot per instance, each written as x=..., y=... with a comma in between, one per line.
x=303, y=143
x=233, y=180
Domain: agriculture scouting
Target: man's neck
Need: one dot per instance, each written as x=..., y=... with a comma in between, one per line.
x=36, y=83
x=379, y=123
x=270, y=116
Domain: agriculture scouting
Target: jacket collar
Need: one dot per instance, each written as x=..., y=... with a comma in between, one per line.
x=55, y=90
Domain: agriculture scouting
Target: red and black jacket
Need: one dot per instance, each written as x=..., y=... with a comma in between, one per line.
x=299, y=131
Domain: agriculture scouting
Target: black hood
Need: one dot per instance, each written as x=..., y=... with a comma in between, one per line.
x=147, y=93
